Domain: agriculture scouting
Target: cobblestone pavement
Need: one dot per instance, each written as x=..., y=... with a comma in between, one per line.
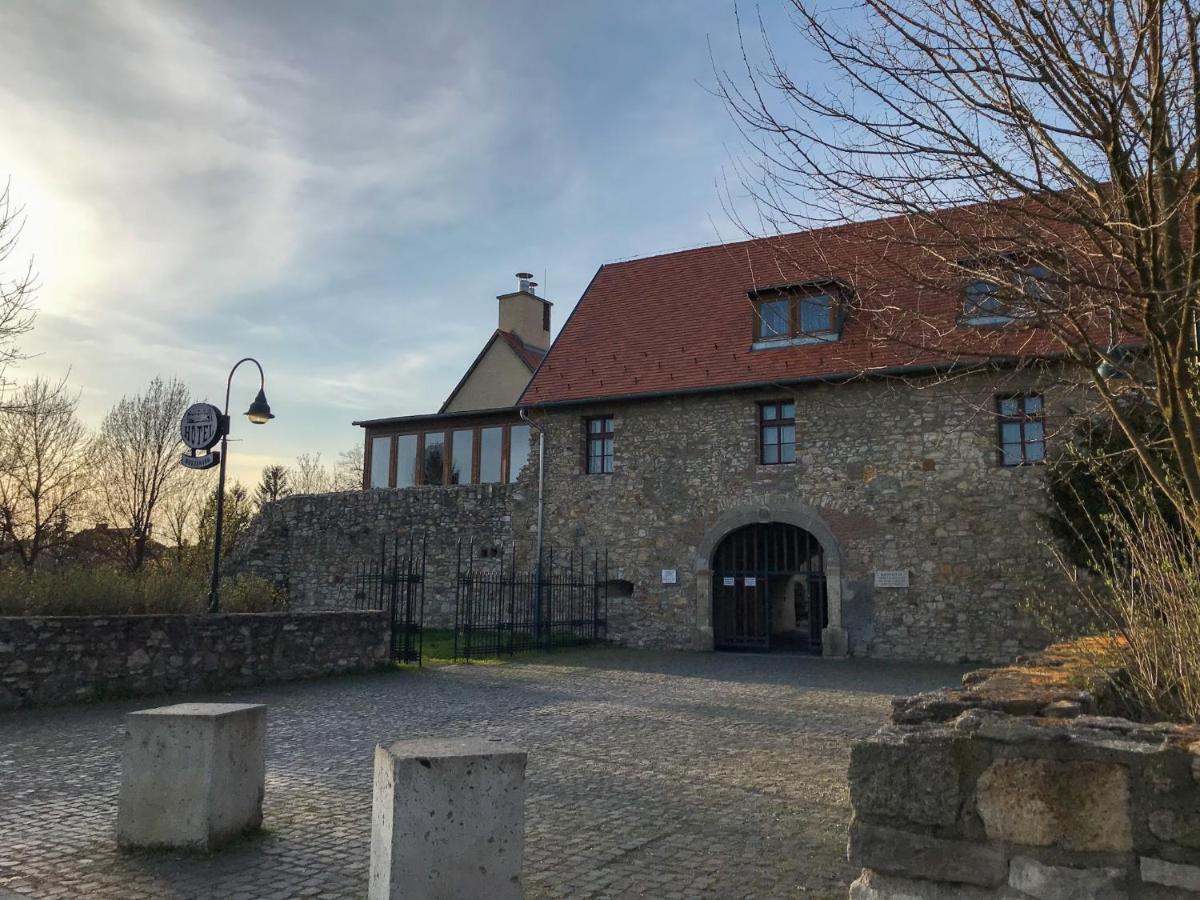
x=650, y=775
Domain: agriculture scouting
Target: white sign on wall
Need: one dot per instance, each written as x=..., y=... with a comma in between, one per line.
x=751, y=581
x=729, y=581
x=670, y=576
x=891, y=578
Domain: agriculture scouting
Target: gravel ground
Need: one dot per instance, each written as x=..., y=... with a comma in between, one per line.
x=663, y=775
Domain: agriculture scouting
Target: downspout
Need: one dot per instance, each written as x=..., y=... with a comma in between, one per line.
x=541, y=475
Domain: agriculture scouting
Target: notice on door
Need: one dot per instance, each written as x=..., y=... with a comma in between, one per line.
x=750, y=581
x=729, y=581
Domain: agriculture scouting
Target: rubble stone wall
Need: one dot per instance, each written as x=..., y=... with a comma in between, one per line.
x=1015, y=787
x=70, y=659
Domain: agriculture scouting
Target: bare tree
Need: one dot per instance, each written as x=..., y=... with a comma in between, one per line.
x=1064, y=134
x=16, y=290
x=310, y=476
x=348, y=470
x=43, y=468
x=181, y=512
x=139, y=447
x=273, y=485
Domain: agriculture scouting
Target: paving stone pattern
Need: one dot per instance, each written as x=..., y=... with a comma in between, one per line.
x=650, y=775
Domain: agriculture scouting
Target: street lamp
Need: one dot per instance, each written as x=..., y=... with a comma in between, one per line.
x=259, y=413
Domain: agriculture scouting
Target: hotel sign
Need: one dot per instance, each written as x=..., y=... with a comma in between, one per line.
x=201, y=427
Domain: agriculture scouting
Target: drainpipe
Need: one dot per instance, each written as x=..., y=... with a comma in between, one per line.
x=541, y=475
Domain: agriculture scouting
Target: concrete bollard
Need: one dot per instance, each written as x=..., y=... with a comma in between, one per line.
x=192, y=775
x=448, y=820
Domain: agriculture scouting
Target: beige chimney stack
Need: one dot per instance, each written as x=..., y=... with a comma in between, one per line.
x=525, y=314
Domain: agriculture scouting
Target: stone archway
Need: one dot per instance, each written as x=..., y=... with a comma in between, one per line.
x=833, y=639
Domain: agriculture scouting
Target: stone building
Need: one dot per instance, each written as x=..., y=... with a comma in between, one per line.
x=766, y=467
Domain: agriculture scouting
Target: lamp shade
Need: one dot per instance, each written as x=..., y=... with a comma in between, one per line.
x=260, y=411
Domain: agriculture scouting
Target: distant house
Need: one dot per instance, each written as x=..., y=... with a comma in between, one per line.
x=477, y=436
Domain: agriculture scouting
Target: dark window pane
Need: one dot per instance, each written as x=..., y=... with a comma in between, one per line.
x=770, y=453
x=596, y=426
x=381, y=460
x=788, y=411
x=1012, y=454
x=814, y=314
x=1035, y=451
x=462, y=447
x=787, y=453
x=1034, y=431
x=406, y=460
x=608, y=464
x=983, y=299
x=491, y=443
x=787, y=434
x=769, y=412
x=1009, y=406
x=771, y=435
x=1033, y=403
x=432, y=465
x=1010, y=432
x=773, y=319
x=518, y=450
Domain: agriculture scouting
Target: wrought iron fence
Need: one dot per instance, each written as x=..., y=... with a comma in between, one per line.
x=395, y=581
x=507, y=603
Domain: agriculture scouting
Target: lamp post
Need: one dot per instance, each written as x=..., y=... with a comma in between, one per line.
x=259, y=413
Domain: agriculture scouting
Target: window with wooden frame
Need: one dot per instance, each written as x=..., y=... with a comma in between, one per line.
x=1011, y=295
x=777, y=432
x=797, y=315
x=466, y=454
x=1021, y=428
x=599, y=445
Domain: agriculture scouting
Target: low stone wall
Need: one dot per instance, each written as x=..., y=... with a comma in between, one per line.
x=1014, y=787
x=67, y=659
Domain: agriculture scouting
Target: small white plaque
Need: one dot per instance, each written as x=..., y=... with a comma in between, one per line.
x=670, y=576
x=891, y=578
x=751, y=581
x=729, y=581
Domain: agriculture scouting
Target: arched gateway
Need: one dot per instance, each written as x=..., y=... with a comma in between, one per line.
x=769, y=590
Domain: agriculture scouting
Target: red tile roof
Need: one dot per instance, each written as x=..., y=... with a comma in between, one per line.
x=531, y=356
x=683, y=321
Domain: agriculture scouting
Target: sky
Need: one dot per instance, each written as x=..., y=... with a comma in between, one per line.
x=341, y=190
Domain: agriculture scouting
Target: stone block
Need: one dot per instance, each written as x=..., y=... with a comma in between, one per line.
x=1045, y=882
x=877, y=886
x=1174, y=875
x=894, y=778
x=448, y=820
x=834, y=642
x=1177, y=826
x=1072, y=804
x=921, y=856
x=192, y=775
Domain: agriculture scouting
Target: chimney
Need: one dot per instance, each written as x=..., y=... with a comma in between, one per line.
x=524, y=314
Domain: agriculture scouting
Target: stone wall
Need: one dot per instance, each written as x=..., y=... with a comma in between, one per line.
x=67, y=659
x=888, y=476
x=1014, y=787
x=312, y=547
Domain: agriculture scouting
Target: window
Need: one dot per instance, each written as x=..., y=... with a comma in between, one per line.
x=777, y=432
x=491, y=454
x=985, y=305
x=462, y=452
x=796, y=317
x=600, y=445
x=381, y=460
x=1022, y=430
x=518, y=454
x=406, y=460
x=433, y=459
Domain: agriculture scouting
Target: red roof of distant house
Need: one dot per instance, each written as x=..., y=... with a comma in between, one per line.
x=684, y=321
x=531, y=356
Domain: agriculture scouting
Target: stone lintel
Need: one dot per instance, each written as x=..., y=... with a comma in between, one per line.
x=921, y=856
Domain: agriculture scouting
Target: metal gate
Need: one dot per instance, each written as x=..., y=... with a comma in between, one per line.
x=506, y=603
x=762, y=568
x=395, y=580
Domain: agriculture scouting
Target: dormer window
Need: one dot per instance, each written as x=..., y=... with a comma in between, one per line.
x=985, y=302
x=789, y=316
